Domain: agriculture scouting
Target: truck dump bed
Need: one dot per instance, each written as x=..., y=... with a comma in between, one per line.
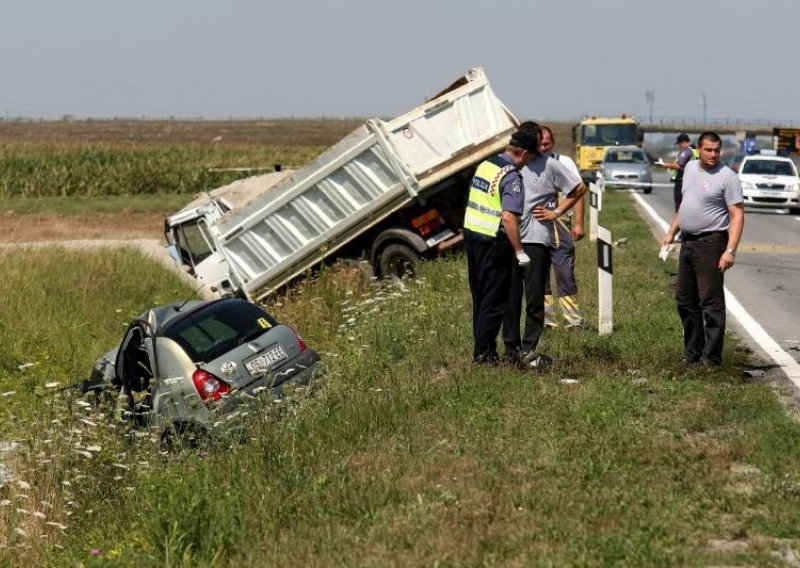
x=373, y=172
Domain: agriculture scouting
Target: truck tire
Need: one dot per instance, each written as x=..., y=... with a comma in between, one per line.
x=398, y=261
x=647, y=190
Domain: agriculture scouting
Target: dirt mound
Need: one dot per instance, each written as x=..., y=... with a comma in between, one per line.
x=16, y=228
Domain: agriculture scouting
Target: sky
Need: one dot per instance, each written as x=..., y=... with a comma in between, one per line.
x=357, y=58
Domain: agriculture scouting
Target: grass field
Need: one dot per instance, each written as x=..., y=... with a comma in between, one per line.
x=408, y=455
x=96, y=159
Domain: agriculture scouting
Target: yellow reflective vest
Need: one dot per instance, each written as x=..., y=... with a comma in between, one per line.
x=673, y=174
x=485, y=205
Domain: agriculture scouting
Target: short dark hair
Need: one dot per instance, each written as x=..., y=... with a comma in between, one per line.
x=708, y=135
x=550, y=132
x=532, y=128
x=525, y=141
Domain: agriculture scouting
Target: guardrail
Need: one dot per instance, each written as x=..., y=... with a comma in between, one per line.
x=681, y=123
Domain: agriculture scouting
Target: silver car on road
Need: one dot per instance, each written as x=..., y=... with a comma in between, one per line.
x=626, y=167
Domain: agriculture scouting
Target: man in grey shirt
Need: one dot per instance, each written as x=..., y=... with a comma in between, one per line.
x=711, y=221
x=543, y=178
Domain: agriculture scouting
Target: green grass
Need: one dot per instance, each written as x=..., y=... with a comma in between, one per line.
x=409, y=455
x=94, y=158
x=103, y=204
x=34, y=169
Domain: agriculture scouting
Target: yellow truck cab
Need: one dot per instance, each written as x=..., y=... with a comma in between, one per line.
x=593, y=135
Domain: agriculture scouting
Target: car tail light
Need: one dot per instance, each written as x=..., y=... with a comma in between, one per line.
x=300, y=341
x=209, y=386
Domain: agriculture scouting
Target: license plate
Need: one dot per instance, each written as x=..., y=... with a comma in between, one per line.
x=439, y=237
x=265, y=361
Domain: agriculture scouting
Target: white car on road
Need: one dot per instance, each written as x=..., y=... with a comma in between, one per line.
x=770, y=181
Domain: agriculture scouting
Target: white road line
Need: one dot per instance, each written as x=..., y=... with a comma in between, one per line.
x=786, y=362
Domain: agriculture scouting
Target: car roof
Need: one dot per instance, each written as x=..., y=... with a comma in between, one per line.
x=163, y=317
x=763, y=157
x=160, y=316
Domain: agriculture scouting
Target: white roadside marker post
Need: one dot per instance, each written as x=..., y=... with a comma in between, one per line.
x=605, y=288
x=595, y=204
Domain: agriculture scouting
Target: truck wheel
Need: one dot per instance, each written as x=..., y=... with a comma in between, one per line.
x=648, y=190
x=398, y=261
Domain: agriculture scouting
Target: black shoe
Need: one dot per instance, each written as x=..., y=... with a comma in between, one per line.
x=511, y=358
x=486, y=359
x=706, y=362
x=536, y=362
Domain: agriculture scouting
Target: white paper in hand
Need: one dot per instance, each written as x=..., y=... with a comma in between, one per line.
x=664, y=253
x=660, y=162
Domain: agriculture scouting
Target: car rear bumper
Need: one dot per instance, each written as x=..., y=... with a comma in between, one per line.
x=226, y=414
x=634, y=183
x=298, y=371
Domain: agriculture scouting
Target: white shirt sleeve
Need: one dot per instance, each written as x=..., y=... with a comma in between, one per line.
x=569, y=163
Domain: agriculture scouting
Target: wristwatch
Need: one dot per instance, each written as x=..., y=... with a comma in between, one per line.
x=557, y=211
x=731, y=251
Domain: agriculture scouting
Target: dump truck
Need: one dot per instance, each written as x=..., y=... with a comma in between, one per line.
x=394, y=191
x=593, y=135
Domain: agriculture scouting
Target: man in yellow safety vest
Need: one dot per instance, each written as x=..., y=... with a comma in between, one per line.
x=491, y=236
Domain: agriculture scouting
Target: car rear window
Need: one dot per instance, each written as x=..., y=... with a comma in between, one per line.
x=218, y=328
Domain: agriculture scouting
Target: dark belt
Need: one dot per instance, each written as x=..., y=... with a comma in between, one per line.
x=685, y=237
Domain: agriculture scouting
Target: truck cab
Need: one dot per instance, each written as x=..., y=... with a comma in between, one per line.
x=191, y=244
x=592, y=136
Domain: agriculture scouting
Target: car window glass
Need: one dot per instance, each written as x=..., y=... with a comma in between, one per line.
x=768, y=167
x=211, y=332
x=192, y=243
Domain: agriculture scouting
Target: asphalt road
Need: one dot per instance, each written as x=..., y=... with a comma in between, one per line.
x=766, y=277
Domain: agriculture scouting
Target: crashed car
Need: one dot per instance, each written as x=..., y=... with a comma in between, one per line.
x=191, y=367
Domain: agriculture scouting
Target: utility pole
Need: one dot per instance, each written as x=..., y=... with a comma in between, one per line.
x=705, y=107
x=650, y=97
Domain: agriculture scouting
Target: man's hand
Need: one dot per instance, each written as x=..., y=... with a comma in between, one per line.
x=726, y=261
x=578, y=233
x=544, y=214
x=668, y=239
x=522, y=258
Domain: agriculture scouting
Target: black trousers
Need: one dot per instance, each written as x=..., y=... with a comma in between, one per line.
x=489, y=266
x=677, y=193
x=532, y=281
x=700, y=295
